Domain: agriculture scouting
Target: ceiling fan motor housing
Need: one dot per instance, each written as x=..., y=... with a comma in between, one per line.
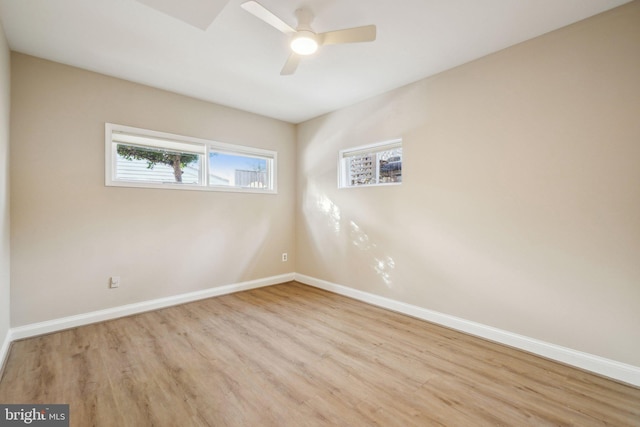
x=305, y=17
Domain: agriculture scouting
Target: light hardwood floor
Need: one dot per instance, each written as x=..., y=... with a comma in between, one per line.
x=292, y=355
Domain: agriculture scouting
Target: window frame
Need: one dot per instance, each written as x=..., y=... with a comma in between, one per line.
x=208, y=146
x=343, y=156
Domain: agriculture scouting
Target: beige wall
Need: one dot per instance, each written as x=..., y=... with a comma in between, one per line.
x=520, y=207
x=70, y=233
x=4, y=188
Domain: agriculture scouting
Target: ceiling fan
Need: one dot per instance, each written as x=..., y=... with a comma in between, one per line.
x=305, y=41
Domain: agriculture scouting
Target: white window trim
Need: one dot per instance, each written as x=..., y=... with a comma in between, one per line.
x=201, y=146
x=363, y=149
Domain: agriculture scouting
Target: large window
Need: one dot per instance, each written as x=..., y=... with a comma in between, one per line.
x=375, y=164
x=143, y=158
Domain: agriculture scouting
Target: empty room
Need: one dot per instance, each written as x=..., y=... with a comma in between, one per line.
x=320, y=213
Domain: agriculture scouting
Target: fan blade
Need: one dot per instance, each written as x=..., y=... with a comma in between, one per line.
x=199, y=13
x=291, y=65
x=261, y=12
x=350, y=35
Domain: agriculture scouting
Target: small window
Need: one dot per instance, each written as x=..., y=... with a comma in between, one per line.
x=144, y=158
x=375, y=164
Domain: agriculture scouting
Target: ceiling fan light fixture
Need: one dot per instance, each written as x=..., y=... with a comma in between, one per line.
x=304, y=43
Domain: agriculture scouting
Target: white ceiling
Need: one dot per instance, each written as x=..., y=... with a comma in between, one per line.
x=237, y=60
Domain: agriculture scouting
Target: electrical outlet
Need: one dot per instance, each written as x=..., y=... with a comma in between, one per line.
x=284, y=257
x=114, y=282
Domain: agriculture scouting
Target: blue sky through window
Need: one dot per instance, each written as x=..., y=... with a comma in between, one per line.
x=223, y=165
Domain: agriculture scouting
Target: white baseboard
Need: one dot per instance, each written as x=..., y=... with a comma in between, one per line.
x=4, y=350
x=54, y=325
x=609, y=368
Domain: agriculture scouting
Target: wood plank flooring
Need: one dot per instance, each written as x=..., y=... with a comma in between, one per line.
x=292, y=355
